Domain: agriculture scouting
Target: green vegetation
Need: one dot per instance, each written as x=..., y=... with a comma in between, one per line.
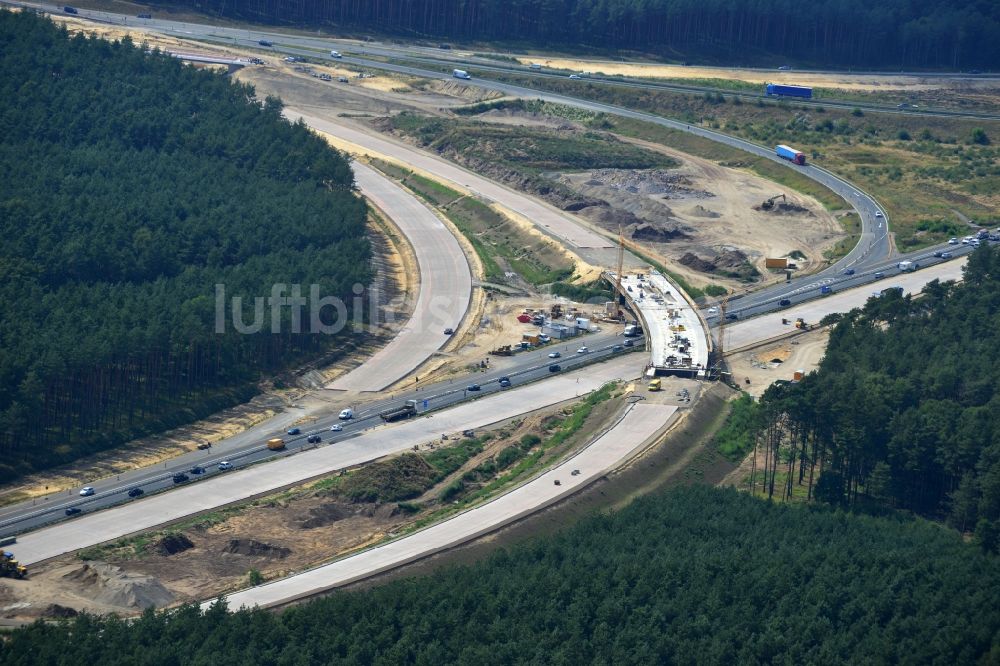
x=595, y=292
x=896, y=34
x=903, y=411
x=695, y=575
x=254, y=578
x=514, y=463
x=715, y=290
x=529, y=150
x=499, y=243
x=132, y=186
x=736, y=437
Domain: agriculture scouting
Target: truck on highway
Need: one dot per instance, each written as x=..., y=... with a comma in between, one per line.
x=632, y=330
x=790, y=154
x=460, y=74
x=906, y=266
x=778, y=90
x=404, y=411
x=276, y=444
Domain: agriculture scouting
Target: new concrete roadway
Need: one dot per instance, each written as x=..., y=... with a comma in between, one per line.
x=248, y=448
x=640, y=424
x=758, y=330
x=240, y=485
x=444, y=293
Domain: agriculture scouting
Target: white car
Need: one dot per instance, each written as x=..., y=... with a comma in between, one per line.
x=335, y=54
x=554, y=354
x=224, y=465
x=952, y=241
x=346, y=414
x=582, y=350
x=878, y=213
x=575, y=76
x=336, y=427
x=713, y=311
x=87, y=492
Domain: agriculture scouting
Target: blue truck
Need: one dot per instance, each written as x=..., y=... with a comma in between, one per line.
x=775, y=89
x=790, y=154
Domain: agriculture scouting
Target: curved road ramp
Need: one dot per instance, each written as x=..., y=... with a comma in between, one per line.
x=445, y=286
x=640, y=424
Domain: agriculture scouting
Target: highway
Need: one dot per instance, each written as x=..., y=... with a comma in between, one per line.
x=444, y=292
x=248, y=448
x=355, y=444
x=640, y=424
x=234, y=486
x=809, y=287
x=745, y=334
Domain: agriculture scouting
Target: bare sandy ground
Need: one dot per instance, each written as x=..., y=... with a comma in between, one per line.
x=779, y=360
x=845, y=81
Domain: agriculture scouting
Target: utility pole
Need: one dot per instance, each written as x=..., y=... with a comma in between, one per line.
x=618, y=273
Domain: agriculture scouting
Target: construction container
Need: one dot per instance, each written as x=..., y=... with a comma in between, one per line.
x=797, y=376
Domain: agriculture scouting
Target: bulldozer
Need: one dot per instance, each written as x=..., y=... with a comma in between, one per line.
x=769, y=203
x=800, y=323
x=10, y=567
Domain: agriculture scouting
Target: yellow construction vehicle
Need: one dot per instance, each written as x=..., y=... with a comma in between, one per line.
x=655, y=385
x=800, y=323
x=276, y=444
x=769, y=203
x=11, y=568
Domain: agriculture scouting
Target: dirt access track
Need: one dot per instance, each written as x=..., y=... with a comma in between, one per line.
x=842, y=80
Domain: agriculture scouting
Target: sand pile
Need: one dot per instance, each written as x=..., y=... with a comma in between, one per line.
x=110, y=585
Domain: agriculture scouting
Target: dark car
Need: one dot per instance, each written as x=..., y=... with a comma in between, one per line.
x=72, y=511
x=732, y=315
x=628, y=343
x=70, y=10
x=879, y=276
x=446, y=47
x=555, y=367
x=197, y=469
x=449, y=331
x=145, y=16
x=204, y=447
x=617, y=348
x=784, y=302
x=136, y=492
x=180, y=478
x=294, y=431
x=264, y=42
x=849, y=271
x=946, y=255
x=472, y=387
x=505, y=382
x=314, y=439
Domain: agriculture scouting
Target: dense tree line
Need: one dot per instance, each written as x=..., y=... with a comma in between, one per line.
x=904, y=409
x=132, y=185
x=697, y=575
x=893, y=33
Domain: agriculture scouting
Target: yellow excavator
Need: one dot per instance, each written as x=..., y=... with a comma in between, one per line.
x=10, y=567
x=769, y=203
